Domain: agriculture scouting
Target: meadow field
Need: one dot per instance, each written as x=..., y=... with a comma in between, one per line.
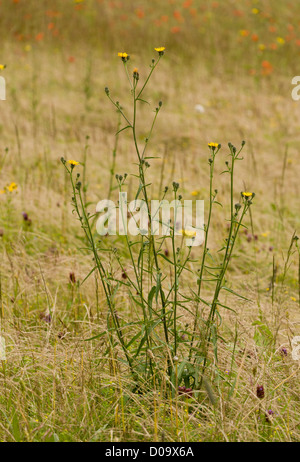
x=149, y=338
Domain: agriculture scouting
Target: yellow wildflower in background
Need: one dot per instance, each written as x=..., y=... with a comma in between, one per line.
x=73, y=163
x=255, y=10
x=280, y=40
x=213, y=145
x=188, y=233
x=12, y=187
x=247, y=194
x=195, y=192
x=2, y=66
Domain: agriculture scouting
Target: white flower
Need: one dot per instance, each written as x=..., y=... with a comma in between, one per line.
x=199, y=108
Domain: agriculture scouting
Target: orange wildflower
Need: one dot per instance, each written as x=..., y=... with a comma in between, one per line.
x=187, y=3
x=39, y=37
x=267, y=67
x=238, y=13
x=140, y=13
x=177, y=16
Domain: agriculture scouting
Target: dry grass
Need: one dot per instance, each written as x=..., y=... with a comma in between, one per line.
x=55, y=385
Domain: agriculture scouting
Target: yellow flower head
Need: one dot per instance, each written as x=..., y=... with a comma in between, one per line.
x=244, y=32
x=195, y=192
x=188, y=233
x=247, y=195
x=12, y=187
x=160, y=50
x=136, y=74
x=280, y=40
x=124, y=56
x=213, y=145
x=2, y=66
x=73, y=163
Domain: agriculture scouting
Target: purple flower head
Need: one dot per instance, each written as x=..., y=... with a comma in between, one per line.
x=260, y=392
x=283, y=352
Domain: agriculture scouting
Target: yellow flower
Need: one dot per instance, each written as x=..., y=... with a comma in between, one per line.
x=2, y=66
x=195, y=193
x=135, y=74
x=262, y=47
x=12, y=187
x=187, y=233
x=255, y=11
x=280, y=40
x=293, y=299
x=213, y=145
x=2, y=191
x=247, y=194
x=123, y=55
x=73, y=163
x=160, y=50
x=244, y=32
